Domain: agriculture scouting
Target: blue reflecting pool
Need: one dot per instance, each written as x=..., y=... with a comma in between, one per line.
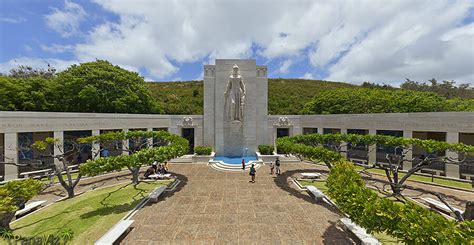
x=235, y=160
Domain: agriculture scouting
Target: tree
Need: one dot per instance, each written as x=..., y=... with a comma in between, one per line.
x=25, y=71
x=102, y=87
x=312, y=147
x=69, y=150
x=172, y=146
x=13, y=196
x=33, y=93
x=446, y=88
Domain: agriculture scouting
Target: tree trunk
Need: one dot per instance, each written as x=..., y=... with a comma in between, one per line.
x=135, y=175
x=469, y=213
x=397, y=191
x=5, y=220
x=70, y=192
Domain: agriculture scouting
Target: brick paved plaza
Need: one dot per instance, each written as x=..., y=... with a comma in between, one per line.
x=212, y=207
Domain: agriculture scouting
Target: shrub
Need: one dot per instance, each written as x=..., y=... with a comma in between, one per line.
x=203, y=150
x=13, y=196
x=266, y=149
x=408, y=222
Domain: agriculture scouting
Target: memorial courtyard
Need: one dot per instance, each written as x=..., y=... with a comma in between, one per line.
x=103, y=178
x=236, y=122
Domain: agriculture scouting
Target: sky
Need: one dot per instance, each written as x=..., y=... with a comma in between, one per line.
x=171, y=40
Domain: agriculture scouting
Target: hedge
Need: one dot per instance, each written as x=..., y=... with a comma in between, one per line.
x=203, y=150
x=407, y=222
x=266, y=149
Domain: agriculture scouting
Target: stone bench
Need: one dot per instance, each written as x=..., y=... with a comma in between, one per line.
x=359, y=161
x=156, y=193
x=315, y=193
x=310, y=175
x=115, y=233
x=359, y=232
x=46, y=172
x=438, y=205
x=29, y=208
x=36, y=174
x=159, y=176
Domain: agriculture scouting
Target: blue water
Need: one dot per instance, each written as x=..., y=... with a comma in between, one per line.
x=235, y=160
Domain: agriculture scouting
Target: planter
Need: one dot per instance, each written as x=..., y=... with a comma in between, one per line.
x=203, y=158
x=266, y=158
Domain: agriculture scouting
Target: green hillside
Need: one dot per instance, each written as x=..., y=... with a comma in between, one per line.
x=299, y=96
x=288, y=96
x=285, y=96
x=102, y=87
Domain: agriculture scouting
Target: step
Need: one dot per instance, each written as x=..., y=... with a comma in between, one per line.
x=221, y=166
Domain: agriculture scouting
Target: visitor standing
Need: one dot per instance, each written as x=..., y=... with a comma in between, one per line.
x=243, y=164
x=252, y=172
x=277, y=164
x=272, y=167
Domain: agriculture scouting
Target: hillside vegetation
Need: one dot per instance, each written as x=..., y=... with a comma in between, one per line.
x=285, y=96
x=299, y=96
x=102, y=87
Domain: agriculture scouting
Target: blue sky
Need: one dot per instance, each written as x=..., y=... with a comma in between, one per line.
x=351, y=41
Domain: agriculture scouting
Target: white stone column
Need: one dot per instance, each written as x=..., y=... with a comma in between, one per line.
x=125, y=144
x=95, y=146
x=409, y=155
x=452, y=170
x=372, y=154
x=58, y=148
x=344, y=144
x=320, y=130
x=149, y=141
x=11, y=155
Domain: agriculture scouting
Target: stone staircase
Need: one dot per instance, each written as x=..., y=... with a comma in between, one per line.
x=222, y=166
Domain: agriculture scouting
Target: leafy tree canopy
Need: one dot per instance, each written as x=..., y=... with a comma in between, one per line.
x=102, y=87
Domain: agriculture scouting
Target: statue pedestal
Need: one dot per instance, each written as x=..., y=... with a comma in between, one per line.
x=233, y=139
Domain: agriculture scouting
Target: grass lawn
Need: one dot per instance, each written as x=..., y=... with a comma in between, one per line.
x=427, y=179
x=89, y=215
x=321, y=185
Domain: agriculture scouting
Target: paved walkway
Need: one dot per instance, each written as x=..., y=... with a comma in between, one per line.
x=212, y=207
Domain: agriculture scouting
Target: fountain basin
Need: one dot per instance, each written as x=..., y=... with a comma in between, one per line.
x=226, y=163
x=235, y=160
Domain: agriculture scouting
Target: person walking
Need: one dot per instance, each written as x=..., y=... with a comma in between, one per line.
x=243, y=164
x=252, y=172
x=277, y=164
x=272, y=167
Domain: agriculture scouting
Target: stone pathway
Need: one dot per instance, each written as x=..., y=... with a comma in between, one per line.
x=212, y=207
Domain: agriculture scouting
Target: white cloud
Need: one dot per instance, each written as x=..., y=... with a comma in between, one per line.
x=419, y=44
x=285, y=66
x=308, y=76
x=66, y=21
x=56, y=48
x=353, y=41
x=12, y=20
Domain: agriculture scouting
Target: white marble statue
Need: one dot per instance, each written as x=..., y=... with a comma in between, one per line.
x=235, y=96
